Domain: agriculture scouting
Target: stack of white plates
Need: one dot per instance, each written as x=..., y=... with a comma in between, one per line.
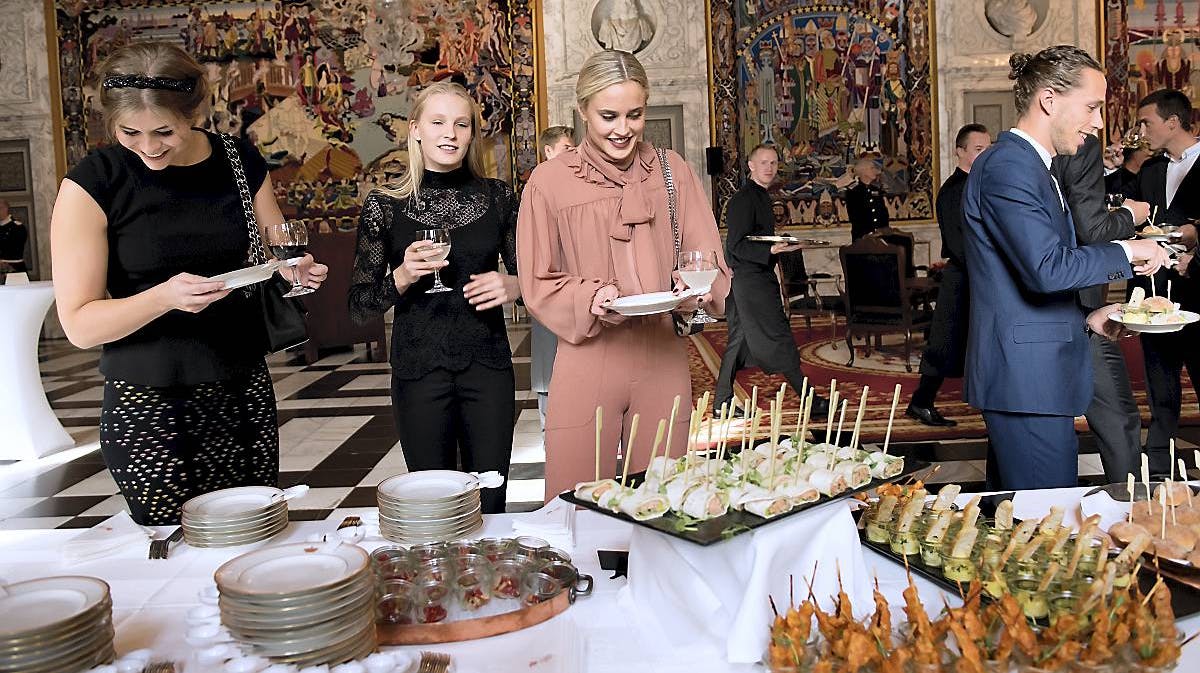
x=55, y=625
x=234, y=516
x=429, y=506
x=305, y=604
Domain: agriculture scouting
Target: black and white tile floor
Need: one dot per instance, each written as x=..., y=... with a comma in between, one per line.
x=336, y=435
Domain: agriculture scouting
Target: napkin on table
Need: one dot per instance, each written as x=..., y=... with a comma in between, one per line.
x=554, y=523
x=114, y=535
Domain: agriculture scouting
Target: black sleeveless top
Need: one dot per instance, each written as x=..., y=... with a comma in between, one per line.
x=437, y=330
x=165, y=222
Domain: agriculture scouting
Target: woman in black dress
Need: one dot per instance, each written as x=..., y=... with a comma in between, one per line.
x=138, y=227
x=452, y=375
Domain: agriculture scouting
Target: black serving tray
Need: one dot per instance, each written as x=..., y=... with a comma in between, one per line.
x=1185, y=599
x=733, y=523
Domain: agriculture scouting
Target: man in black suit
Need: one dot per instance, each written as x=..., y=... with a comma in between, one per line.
x=759, y=332
x=1112, y=414
x=1121, y=181
x=1171, y=183
x=946, y=351
x=864, y=201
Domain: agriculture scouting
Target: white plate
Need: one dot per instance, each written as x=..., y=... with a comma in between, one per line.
x=232, y=503
x=37, y=604
x=291, y=568
x=646, y=304
x=249, y=275
x=427, y=485
x=1188, y=316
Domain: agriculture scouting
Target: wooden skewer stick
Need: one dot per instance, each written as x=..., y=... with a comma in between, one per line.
x=693, y=430
x=774, y=443
x=1167, y=487
x=803, y=392
x=1183, y=471
x=599, y=420
x=1162, y=501
x=1130, y=486
x=671, y=427
x=887, y=437
x=745, y=439
x=837, y=439
x=629, y=449
x=862, y=407
x=715, y=451
x=658, y=436
x=1172, y=444
x=808, y=402
x=1146, y=479
x=833, y=400
x=1196, y=459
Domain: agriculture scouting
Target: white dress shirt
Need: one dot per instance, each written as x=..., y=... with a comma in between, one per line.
x=1177, y=170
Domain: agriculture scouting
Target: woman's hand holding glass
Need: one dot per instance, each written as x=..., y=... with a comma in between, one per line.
x=418, y=263
x=491, y=289
x=698, y=269
x=308, y=272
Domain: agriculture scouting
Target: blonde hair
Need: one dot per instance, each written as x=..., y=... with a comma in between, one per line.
x=606, y=68
x=152, y=60
x=410, y=183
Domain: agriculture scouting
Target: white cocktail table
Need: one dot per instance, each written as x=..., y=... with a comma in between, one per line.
x=30, y=428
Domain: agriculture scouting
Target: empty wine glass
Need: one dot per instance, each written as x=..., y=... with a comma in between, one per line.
x=436, y=250
x=698, y=269
x=288, y=241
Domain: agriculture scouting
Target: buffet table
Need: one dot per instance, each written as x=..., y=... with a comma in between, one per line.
x=598, y=634
x=30, y=428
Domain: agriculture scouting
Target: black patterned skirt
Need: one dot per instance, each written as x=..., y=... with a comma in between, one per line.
x=167, y=445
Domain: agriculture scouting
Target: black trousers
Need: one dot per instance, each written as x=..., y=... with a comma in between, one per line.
x=1113, y=414
x=945, y=355
x=444, y=412
x=1166, y=355
x=738, y=355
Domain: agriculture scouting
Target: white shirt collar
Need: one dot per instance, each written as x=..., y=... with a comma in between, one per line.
x=1042, y=151
x=1187, y=154
x=7, y=220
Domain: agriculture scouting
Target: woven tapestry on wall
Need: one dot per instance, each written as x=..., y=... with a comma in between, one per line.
x=1148, y=45
x=323, y=87
x=827, y=83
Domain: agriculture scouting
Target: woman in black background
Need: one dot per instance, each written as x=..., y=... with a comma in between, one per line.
x=452, y=375
x=137, y=228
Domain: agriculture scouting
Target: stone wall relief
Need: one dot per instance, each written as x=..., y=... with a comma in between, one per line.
x=622, y=25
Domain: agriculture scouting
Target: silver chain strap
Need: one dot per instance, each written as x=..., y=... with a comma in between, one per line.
x=257, y=254
x=672, y=200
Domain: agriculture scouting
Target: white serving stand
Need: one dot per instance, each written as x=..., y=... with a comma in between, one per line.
x=30, y=427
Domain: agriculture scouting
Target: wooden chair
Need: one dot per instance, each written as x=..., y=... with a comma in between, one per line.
x=801, y=291
x=920, y=284
x=879, y=296
x=329, y=322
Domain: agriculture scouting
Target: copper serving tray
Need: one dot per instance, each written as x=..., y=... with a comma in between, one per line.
x=472, y=629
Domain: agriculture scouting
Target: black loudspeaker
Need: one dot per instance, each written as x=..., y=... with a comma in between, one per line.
x=714, y=160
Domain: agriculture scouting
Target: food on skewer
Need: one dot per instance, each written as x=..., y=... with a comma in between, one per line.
x=1153, y=310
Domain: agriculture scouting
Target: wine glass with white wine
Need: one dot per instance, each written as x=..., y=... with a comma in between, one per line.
x=698, y=269
x=436, y=249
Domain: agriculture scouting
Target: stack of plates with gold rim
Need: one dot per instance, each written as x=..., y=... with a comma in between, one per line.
x=236, y=516
x=429, y=506
x=306, y=604
x=55, y=625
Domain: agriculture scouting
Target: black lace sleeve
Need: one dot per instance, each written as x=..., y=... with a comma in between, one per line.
x=508, y=225
x=372, y=290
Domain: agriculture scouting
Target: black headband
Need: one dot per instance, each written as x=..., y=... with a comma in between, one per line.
x=143, y=82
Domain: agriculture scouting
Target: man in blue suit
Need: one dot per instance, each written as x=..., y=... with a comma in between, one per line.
x=1029, y=365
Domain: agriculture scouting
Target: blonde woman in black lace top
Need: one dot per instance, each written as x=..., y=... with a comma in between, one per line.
x=452, y=375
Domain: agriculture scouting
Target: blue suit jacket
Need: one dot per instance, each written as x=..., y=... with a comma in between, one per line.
x=1028, y=349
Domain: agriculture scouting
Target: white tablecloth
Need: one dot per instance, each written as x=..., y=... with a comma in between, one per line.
x=29, y=425
x=596, y=635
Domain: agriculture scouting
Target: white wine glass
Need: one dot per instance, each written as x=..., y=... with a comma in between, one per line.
x=287, y=242
x=698, y=269
x=437, y=248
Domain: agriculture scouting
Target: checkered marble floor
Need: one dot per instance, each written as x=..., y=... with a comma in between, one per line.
x=337, y=436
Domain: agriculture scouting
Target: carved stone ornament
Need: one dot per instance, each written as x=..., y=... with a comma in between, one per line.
x=1014, y=19
x=623, y=25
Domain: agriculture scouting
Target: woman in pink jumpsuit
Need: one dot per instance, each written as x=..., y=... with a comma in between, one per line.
x=594, y=224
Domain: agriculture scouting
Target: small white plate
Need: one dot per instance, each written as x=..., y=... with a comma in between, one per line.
x=426, y=485
x=790, y=240
x=249, y=275
x=647, y=304
x=37, y=604
x=290, y=568
x=1188, y=317
x=231, y=503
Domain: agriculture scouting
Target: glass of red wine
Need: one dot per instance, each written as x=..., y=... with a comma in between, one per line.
x=288, y=241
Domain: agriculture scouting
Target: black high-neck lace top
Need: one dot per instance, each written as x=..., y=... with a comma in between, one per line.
x=437, y=330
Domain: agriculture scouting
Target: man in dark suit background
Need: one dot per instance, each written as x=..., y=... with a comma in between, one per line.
x=946, y=351
x=759, y=333
x=1028, y=360
x=1112, y=414
x=1171, y=183
x=864, y=201
x=1122, y=180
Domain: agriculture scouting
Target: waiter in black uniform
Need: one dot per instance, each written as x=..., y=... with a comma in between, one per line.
x=759, y=333
x=864, y=201
x=13, y=236
x=945, y=354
